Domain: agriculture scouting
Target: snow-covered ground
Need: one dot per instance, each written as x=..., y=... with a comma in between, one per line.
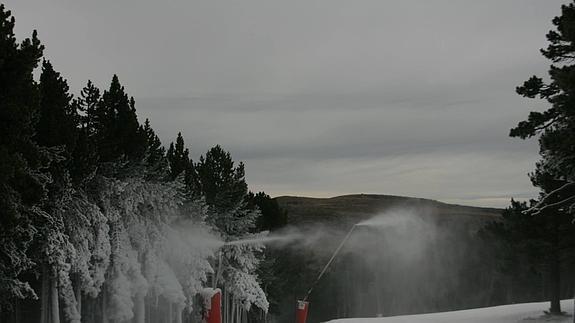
x=527, y=313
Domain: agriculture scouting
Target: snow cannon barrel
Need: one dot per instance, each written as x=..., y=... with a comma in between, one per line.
x=212, y=305
x=301, y=311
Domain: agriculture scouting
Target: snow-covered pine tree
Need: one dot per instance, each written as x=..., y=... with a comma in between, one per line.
x=57, y=128
x=141, y=213
x=224, y=187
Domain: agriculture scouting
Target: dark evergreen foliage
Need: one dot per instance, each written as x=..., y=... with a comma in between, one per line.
x=178, y=157
x=272, y=216
x=120, y=134
x=87, y=104
x=546, y=226
x=155, y=151
x=22, y=183
x=56, y=127
x=219, y=180
x=223, y=185
x=85, y=155
x=538, y=245
x=57, y=118
x=556, y=125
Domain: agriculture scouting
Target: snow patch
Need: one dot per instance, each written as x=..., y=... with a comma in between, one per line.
x=527, y=312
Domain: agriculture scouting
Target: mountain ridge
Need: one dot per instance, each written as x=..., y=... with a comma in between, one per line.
x=353, y=207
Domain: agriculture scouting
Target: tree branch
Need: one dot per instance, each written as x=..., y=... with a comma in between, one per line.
x=537, y=208
x=544, y=126
x=555, y=204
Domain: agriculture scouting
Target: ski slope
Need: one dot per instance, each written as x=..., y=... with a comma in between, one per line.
x=527, y=312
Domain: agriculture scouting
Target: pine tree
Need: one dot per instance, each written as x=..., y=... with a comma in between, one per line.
x=57, y=127
x=178, y=157
x=88, y=105
x=119, y=133
x=225, y=189
x=57, y=121
x=155, y=151
x=556, y=125
x=555, y=172
x=22, y=184
x=85, y=155
x=272, y=216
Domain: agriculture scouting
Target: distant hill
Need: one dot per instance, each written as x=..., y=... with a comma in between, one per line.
x=348, y=209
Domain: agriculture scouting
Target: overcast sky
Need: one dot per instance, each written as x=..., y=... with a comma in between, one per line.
x=322, y=98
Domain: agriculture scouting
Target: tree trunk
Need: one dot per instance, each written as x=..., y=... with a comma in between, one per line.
x=139, y=309
x=555, y=273
x=54, y=305
x=104, y=306
x=78, y=295
x=555, y=287
x=179, y=311
x=169, y=314
x=44, y=309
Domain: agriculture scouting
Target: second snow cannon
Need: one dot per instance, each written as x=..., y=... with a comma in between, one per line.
x=212, y=298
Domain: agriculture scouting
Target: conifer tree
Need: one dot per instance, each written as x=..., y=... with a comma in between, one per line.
x=272, y=216
x=88, y=105
x=57, y=118
x=56, y=127
x=555, y=172
x=556, y=125
x=155, y=151
x=225, y=189
x=85, y=155
x=120, y=133
x=178, y=157
x=22, y=184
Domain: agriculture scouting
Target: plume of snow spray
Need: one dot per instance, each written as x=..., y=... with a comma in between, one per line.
x=387, y=220
x=276, y=239
x=395, y=219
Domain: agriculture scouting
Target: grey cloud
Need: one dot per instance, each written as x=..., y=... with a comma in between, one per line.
x=322, y=97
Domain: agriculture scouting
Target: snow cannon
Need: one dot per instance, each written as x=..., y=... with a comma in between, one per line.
x=212, y=305
x=301, y=311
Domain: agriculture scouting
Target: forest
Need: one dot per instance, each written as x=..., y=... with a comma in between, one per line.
x=101, y=223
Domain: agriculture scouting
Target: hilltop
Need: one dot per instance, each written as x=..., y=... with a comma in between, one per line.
x=345, y=209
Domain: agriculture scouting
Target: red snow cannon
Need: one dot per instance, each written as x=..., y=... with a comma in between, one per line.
x=301, y=311
x=212, y=305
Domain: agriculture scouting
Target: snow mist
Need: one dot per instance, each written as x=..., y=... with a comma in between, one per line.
x=403, y=260
x=277, y=239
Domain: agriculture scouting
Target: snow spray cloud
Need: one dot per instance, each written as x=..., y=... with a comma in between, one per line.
x=405, y=233
x=189, y=243
x=266, y=238
x=402, y=260
x=201, y=236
